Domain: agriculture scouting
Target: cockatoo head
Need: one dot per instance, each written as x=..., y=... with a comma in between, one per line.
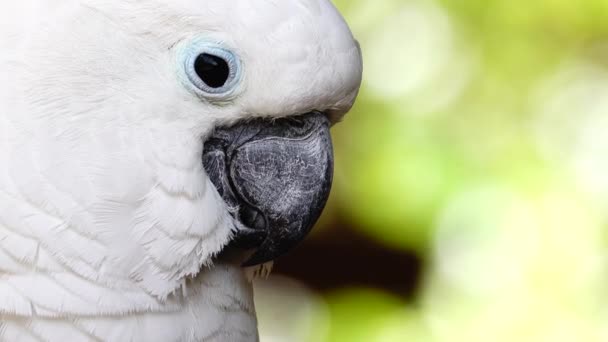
x=254, y=85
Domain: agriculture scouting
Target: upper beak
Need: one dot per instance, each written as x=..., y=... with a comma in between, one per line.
x=276, y=175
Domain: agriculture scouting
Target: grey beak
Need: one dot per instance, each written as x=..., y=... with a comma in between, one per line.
x=276, y=175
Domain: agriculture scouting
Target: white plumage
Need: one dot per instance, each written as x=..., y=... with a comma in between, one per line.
x=109, y=227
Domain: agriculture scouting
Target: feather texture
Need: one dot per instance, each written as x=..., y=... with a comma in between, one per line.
x=109, y=227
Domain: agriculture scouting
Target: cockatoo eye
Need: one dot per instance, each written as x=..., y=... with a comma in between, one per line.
x=213, y=70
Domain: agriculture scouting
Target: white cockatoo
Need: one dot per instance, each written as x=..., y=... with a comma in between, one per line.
x=150, y=149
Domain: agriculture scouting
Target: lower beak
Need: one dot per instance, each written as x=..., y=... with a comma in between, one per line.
x=276, y=175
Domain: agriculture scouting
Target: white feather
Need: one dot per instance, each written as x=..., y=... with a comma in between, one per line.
x=108, y=224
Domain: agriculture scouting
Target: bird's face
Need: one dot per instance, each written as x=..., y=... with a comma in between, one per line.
x=273, y=58
x=256, y=84
x=285, y=57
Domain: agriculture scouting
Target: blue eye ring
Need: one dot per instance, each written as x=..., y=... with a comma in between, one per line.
x=192, y=52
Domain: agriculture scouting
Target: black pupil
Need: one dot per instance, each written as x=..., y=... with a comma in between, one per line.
x=213, y=70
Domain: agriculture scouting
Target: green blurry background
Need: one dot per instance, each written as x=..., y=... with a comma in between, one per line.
x=471, y=193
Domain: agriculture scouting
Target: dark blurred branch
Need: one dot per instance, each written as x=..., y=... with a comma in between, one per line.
x=343, y=258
